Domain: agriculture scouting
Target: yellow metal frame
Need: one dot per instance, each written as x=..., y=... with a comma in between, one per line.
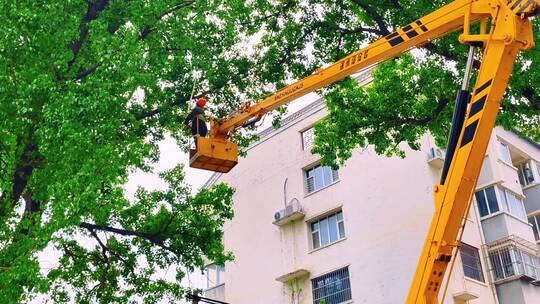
x=509, y=33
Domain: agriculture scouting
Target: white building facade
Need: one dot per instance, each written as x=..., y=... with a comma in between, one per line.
x=303, y=233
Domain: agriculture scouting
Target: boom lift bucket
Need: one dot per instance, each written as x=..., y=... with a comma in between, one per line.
x=213, y=154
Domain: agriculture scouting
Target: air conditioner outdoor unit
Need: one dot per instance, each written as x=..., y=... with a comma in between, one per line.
x=436, y=157
x=292, y=212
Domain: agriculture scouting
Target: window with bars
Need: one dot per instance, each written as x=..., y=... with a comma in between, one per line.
x=508, y=261
x=308, y=138
x=332, y=288
x=535, y=222
x=470, y=258
x=501, y=263
x=319, y=177
x=327, y=230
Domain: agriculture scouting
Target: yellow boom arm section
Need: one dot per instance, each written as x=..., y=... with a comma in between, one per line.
x=510, y=31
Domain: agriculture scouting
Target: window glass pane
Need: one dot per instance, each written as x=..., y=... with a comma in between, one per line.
x=516, y=206
x=335, y=175
x=502, y=197
x=341, y=227
x=492, y=200
x=520, y=175
x=535, y=221
x=470, y=258
x=324, y=232
x=318, y=178
x=505, y=153
x=314, y=226
x=315, y=239
x=340, y=216
x=528, y=173
x=327, y=176
x=482, y=205
x=332, y=228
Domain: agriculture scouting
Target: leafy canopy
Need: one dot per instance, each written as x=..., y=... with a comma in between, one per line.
x=88, y=89
x=408, y=97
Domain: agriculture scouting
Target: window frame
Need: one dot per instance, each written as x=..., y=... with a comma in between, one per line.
x=535, y=225
x=317, y=221
x=523, y=180
x=507, y=204
x=502, y=201
x=506, y=153
x=486, y=200
x=334, y=174
x=308, y=147
x=479, y=268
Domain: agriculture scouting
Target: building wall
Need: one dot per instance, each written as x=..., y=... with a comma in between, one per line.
x=387, y=205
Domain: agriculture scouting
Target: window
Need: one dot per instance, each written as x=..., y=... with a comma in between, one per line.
x=505, y=153
x=215, y=275
x=535, y=221
x=501, y=262
x=332, y=288
x=308, y=138
x=511, y=260
x=530, y=263
x=487, y=201
x=319, y=177
x=512, y=203
x=327, y=230
x=525, y=174
x=470, y=258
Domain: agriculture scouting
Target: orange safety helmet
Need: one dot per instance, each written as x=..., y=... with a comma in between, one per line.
x=201, y=102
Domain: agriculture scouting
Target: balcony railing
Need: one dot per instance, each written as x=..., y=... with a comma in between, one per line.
x=513, y=258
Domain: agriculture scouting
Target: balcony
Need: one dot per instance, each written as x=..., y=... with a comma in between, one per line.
x=216, y=293
x=513, y=258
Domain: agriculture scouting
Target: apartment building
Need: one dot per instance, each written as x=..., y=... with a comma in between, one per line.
x=304, y=233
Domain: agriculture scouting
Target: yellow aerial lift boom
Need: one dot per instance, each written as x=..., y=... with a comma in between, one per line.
x=505, y=30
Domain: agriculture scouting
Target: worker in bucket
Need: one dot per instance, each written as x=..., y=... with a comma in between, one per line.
x=197, y=119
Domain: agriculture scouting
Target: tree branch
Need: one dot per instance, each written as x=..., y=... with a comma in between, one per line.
x=92, y=13
x=529, y=94
x=423, y=121
x=146, y=30
x=360, y=29
x=152, y=238
x=377, y=18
